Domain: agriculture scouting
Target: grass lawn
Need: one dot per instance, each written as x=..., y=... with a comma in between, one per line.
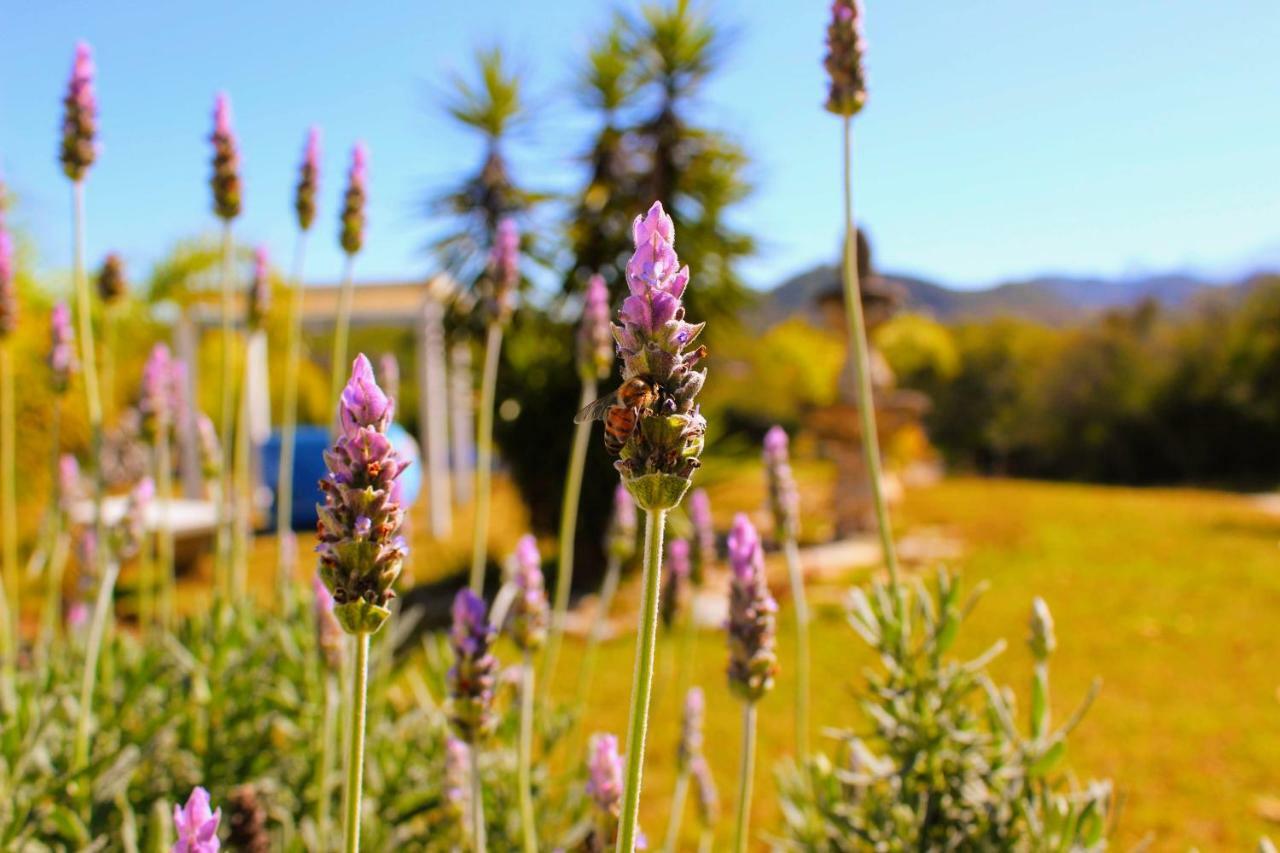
x=1171, y=597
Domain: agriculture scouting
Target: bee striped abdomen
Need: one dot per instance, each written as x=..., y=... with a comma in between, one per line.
x=619, y=423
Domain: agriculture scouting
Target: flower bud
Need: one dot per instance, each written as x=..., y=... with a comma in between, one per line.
x=474, y=674
x=844, y=61
x=784, y=498
x=247, y=821
x=528, y=618
x=676, y=580
x=1042, y=640
x=154, y=403
x=111, y=280
x=225, y=181
x=352, y=233
x=604, y=787
x=79, y=117
x=304, y=202
x=752, y=629
x=62, y=349
x=595, y=340
x=195, y=825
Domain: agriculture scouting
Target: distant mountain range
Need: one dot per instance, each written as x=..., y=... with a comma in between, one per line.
x=1056, y=300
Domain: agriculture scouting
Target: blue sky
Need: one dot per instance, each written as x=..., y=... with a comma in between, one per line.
x=1002, y=138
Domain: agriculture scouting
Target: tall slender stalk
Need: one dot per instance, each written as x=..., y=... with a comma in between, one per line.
x=355, y=759
x=801, y=604
x=328, y=737
x=861, y=363
x=111, y=332
x=743, y=833
x=568, y=533
x=164, y=535
x=678, y=798
x=287, y=554
x=477, y=803
x=529, y=827
x=642, y=684
x=242, y=515
x=226, y=491
x=9, y=616
x=93, y=648
x=51, y=610
x=484, y=457
x=342, y=328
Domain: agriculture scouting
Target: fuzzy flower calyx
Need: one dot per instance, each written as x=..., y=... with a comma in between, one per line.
x=351, y=235
x=225, y=181
x=528, y=617
x=752, y=629
x=474, y=674
x=304, y=200
x=595, y=340
x=361, y=549
x=844, y=60
x=196, y=825
x=661, y=452
x=79, y=147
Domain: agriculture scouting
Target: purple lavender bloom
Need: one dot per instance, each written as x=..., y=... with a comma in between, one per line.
x=210, y=449
x=677, y=580
x=132, y=529
x=620, y=537
x=691, y=721
x=8, y=288
x=196, y=825
x=225, y=181
x=752, y=629
x=178, y=402
x=328, y=631
x=595, y=340
x=389, y=368
x=112, y=284
x=705, y=795
x=304, y=202
x=69, y=488
x=784, y=498
x=604, y=779
x=704, y=536
x=504, y=268
x=260, y=288
x=62, y=348
x=475, y=671
x=457, y=761
x=844, y=61
x=651, y=339
x=361, y=549
x=79, y=117
x=154, y=402
x=351, y=235
x=529, y=616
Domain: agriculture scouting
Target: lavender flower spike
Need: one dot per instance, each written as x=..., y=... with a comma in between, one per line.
x=529, y=615
x=677, y=579
x=62, y=348
x=225, y=181
x=844, y=60
x=328, y=631
x=704, y=536
x=752, y=629
x=660, y=454
x=8, y=290
x=604, y=787
x=475, y=670
x=595, y=340
x=695, y=711
x=79, y=117
x=504, y=268
x=360, y=548
x=784, y=498
x=196, y=825
x=620, y=538
x=352, y=232
x=260, y=288
x=154, y=403
x=304, y=200
x=112, y=283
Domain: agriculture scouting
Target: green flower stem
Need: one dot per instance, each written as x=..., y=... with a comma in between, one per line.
x=342, y=329
x=242, y=500
x=97, y=630
x=743, y=833
x=862, y=372
x=586, y=672
x=801, y=604
x=287, y=555
x=164, y=534
x=678, y=798
x=355, y=759
x=8, y=480
x=477, y=803
x=328, y=737
x=705, y=838
x=568, y=533
x=642, y=684
x=110, y=331
x=529, y=826
x=51, y=612
x=484, y=457
x=226, y=492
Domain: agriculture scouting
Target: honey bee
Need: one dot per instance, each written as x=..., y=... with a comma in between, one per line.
x=620, y=411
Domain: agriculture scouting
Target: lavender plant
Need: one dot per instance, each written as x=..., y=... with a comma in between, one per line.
x=196, y=824
x=359, y=544
x=688, y=752
x=527, y=624
x=784, y=506
x=943, y=765
x=656, y=430
x=594, y=362
x=846, y=96
x=304, y=205
x=351, y=238
x=471, y=686
x=501, y=280
x=753, y=658
x=224, y=183
x=605, y=788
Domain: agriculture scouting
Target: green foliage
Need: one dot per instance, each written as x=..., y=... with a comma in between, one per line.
x=945, y=767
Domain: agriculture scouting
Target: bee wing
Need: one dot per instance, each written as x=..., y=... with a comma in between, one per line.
x=595, y=411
